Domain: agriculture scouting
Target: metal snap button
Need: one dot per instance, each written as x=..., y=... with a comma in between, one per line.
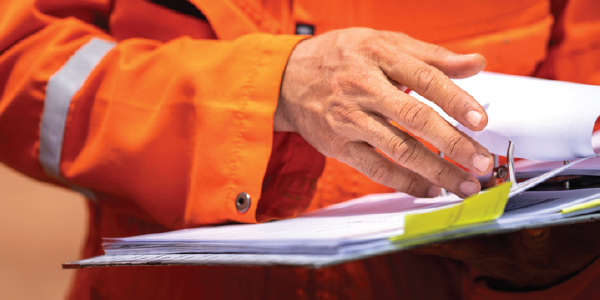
x=242, y=202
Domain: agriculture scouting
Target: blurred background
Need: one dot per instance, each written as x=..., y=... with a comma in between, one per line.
x=41, y=226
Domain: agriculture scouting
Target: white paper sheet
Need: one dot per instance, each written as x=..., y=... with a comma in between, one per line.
x=535, y=203
x=547, y=120
x=382, y=203
x=367, y=218
x=532, y=182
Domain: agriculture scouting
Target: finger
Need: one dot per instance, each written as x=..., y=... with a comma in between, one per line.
x=411, y=154
x=422, y=121
x=452, y=64
x=380, y=169
x=398, y=86
x=432, y=84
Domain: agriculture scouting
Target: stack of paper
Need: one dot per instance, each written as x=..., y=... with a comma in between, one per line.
x=366, y=223
x=337, y=229
x=367, y=226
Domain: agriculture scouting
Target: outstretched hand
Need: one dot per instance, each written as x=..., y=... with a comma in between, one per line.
x=341, y=89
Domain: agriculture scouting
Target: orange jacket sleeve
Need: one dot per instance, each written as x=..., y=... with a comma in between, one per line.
x=169, y=131
x=574, y=53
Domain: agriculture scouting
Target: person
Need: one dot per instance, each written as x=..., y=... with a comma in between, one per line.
x=176, y=114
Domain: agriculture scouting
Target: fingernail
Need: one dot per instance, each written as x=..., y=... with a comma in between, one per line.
x=474, y=118
x=481, y=162
x=469, y=188
x=434, y=191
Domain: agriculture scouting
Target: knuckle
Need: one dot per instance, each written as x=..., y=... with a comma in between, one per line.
x=442, y=174
x=453, y=102
x=360, y=31
x=453, y=145
x=375, y=50
x=378, y=172
x=343, y=114
x=423, y=78
x=456, y=103
x=347, y=53
x=401, y=35
x=415, y=116
x=409, y=185
x=405, y=152
x=343, y=118
x=356, y=83
x=372, y=46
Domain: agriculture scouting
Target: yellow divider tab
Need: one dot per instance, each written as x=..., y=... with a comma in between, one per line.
x=485, y=206
x=580, y=206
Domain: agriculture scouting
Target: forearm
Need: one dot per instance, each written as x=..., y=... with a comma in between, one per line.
x=177, y=129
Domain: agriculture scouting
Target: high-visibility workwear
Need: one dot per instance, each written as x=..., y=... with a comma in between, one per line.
x=160, y=113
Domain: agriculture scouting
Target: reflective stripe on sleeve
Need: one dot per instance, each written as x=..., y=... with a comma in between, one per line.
x=60, y=90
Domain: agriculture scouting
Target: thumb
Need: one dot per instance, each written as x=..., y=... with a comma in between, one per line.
x=461, y=66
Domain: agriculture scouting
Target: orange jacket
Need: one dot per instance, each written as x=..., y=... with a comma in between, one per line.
x=135, y=104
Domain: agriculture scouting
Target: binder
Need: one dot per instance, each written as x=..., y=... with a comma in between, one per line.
x=295, y=260
x=368, y=248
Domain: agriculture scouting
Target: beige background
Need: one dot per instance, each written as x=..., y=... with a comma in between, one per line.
x=41, y=226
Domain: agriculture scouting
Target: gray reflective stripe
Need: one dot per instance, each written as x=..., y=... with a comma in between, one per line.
x=60, y=90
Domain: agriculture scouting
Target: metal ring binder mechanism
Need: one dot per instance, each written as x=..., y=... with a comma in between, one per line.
x=500, y=173
x=556, y=181
x=510, y=160
x=567, y=184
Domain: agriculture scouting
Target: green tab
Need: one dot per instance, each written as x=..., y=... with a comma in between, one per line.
x=485, y=206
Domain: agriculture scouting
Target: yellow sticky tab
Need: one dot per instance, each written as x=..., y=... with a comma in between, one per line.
x=485, y=206
x=580, y=206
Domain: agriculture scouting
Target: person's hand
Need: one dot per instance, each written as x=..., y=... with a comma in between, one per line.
x=527, y=259
x=340, y=90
